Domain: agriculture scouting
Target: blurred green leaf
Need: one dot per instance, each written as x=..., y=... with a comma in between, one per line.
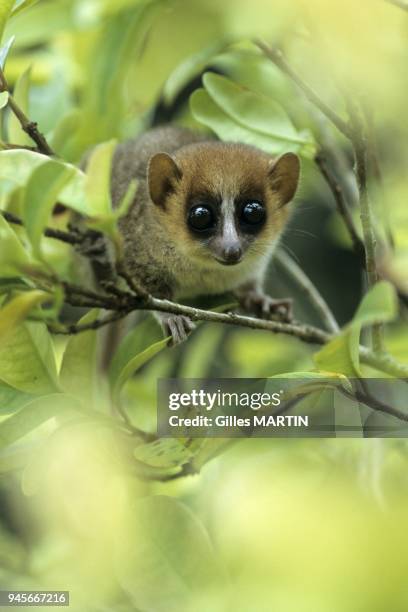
x=342, y=353
x=5, y=50
x=253, y=111
x=16, y=135
x=250, y=68
x=20, y=5
x=204, y=450
x=98, y=178
x=5, y=12
x=325, y=377
x=98, y=191
x=65, y=131
x=27, y=360
x=336, y=356
x=168, y=547
x=79, y=363
x=17, y=310
x=43, y=189
x=12, y=399
x=16, y=167
x=13, y=257
x=188, y=69
x=207, y=112
x=379, y=305
x=35, y=413
x=163, y=453
x=4, y=96
x=42, y=22
x=200, y=351
x=140, y=345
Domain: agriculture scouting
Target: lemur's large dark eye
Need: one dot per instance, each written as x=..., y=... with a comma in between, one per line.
x=253, y=213
x=201, y=218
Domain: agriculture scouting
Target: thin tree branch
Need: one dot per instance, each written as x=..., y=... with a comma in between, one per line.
x=68, y=237
x=355, y=132
x=383, y=363
x=29, y=127
x=307, y=287
x=359, y=143
x=372, y=402
x=57, y=328
x=276, y=56
x=342, y=207
x=305, y=333
x=127, y=302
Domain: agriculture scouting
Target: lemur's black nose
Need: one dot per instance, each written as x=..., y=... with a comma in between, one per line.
x=232, y=253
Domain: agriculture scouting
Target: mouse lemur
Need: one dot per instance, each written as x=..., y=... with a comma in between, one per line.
x=205, y=220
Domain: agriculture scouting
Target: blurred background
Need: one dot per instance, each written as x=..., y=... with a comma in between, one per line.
x=286, y=525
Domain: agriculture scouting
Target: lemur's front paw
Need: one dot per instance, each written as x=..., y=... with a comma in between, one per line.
x=177, y=326
x=265, y=307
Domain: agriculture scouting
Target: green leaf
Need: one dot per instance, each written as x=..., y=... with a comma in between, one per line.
x=325, y=377
x=16, y=135
x=98, y=192
x=98, y=178
x=379, y=305
x=168, y=546
x=4, y=96
x=16, y=167
x=64, y=131
x=12, y=399
x=5, y=11
x=21, y=5
x=200, y=352
x=140, y=345
x=163, y=453
x=42, y=192
x=256, y=112
x=13, y=257
x=188, y=69
x=33, y=414
x=17, y=310
x=207, y=112
x=206, y=449
x=336, y=356
x=27, y=360
x=4, y=51
x=79, y=366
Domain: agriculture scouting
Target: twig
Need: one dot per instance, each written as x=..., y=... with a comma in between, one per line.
x=342, y=207
x=306, y=333
x=30, y=127
x=83, y=327
x=354, y=131
x=383, y=363
x=68, y=237
x=359, y=141
x=308, y=288
x=376, y=170
x=276, y=56
x=374, y=403
x=125, y=303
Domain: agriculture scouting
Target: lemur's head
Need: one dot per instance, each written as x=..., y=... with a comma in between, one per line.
x=223, y=202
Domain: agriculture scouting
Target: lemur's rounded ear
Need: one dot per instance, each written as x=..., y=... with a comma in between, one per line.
x=284, y=176
x=162, y=174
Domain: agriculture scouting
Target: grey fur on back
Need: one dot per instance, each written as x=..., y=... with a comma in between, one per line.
x=131, y=158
